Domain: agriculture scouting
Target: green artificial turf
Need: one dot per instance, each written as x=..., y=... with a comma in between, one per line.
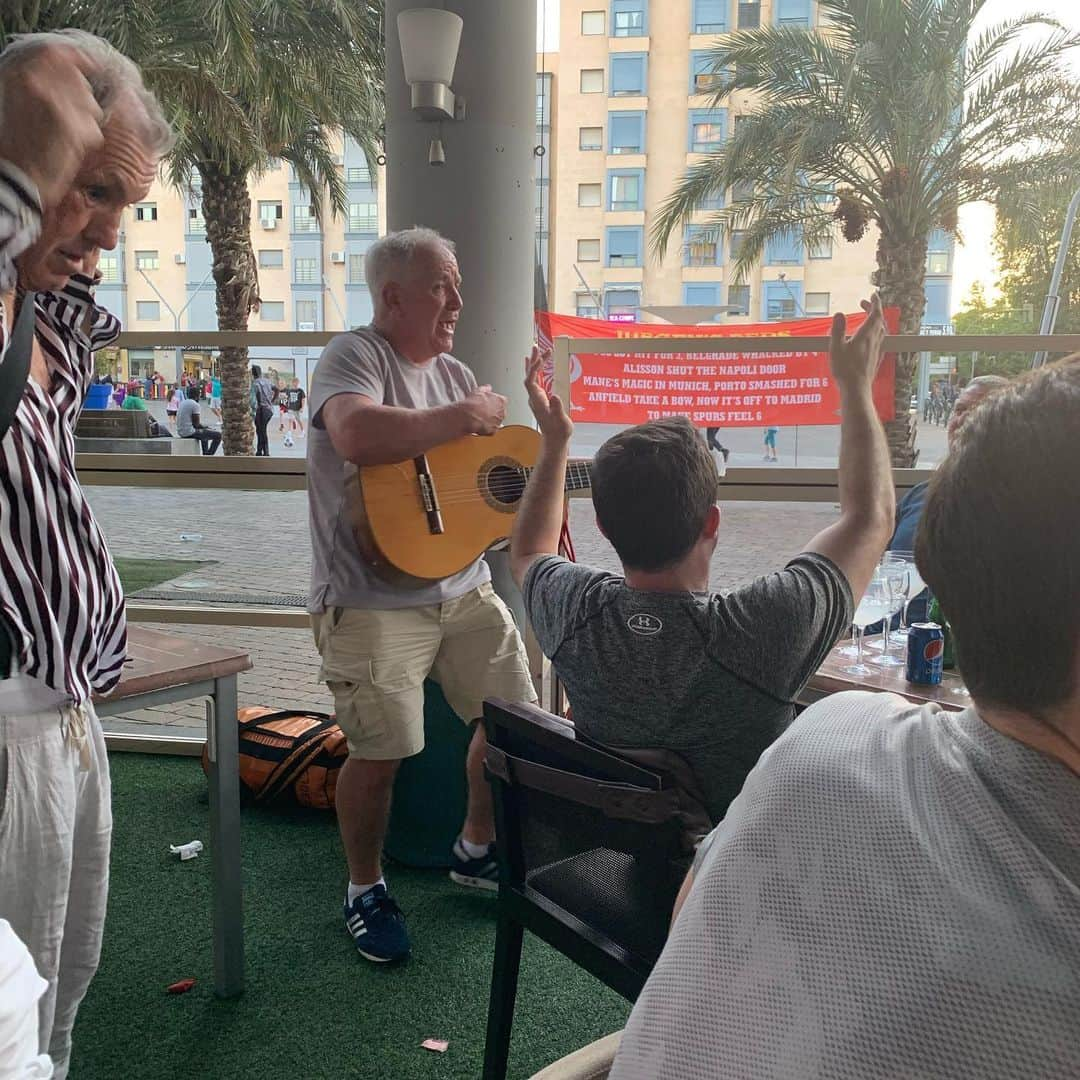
x=312, y=1007
x=136, y=574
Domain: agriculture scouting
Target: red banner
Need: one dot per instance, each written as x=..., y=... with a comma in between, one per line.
x=714, y=389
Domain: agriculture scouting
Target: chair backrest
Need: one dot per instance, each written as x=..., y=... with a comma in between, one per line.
x=596, y=834
x=113, y=424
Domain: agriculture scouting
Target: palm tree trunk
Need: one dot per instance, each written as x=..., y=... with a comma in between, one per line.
x=901, y=280
x=227, y=210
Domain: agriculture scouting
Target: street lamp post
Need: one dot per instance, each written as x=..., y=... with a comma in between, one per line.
x=176, y=316
x=1053, y=299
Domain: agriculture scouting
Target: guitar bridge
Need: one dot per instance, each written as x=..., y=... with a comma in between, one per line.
x=428, y=495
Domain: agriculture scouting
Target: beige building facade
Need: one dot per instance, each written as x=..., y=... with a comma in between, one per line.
x=631, y=112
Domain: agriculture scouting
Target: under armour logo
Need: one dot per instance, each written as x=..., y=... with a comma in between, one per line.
x=644, y=624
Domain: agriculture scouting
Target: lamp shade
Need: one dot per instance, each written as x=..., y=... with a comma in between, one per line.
x=429, y=44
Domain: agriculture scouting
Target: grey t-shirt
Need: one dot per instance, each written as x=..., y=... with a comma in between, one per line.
x=894, y=894
x=363, y=362
x=188, y=409
x=712, y=677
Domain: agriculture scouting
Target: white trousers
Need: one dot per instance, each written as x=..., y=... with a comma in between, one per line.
x=55, y=829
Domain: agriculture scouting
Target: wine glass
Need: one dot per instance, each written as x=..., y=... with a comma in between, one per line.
x=915, y=585
x=873, y=607
x=896, y=577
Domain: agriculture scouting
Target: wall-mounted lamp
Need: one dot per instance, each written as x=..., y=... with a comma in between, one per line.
x=430, y=38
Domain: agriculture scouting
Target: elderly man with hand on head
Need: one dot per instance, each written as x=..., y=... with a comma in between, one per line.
x=80, y=139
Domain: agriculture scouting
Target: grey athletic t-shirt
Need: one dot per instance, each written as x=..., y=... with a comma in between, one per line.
x=713, y=677
x=894, y=894
x=361, y=361
x=188, y=408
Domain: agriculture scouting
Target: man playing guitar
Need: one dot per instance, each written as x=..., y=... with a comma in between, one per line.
x=381, y=394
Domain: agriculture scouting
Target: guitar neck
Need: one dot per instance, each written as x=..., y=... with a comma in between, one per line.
x=578, y=474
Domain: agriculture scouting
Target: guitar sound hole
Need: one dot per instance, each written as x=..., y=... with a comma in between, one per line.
x=505, y=484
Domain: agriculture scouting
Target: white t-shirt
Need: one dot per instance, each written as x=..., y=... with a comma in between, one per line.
x=894, y=894
x=20, y=988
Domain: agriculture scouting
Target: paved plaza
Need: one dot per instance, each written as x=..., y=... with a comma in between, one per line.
x=259, y=548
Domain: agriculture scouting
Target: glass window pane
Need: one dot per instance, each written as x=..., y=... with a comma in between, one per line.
x=146, y=260
x=588, y=250
x=272, y=311
x=306, y=271
x=590, y=138
x=588, y=195
x=592, y=22
x=628, y=24
x=592, y=80
x=739, y=298
x=363, y=217
x=817, y=303
x=148, y=310
x=304, y=220
x=627, y=133
x=270, y=258
x=306, y=314
x=625, y=192
x=710, y=16
x=109, y=265
x=749, y=14
x=356, y=269
x=627, y=75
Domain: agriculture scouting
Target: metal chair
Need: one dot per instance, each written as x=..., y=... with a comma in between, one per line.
x=592, y=850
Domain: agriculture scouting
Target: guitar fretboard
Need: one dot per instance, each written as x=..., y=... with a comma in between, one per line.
x=578, y=474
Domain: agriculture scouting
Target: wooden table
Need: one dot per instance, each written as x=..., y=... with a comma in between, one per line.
x=830, y=678
x=163, y=668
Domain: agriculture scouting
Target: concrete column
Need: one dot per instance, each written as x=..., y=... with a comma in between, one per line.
x=483, y=198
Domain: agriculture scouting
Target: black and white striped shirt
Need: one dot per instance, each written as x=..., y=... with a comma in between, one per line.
x=59, y=591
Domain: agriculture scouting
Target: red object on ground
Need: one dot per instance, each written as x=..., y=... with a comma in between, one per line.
x=181, y=987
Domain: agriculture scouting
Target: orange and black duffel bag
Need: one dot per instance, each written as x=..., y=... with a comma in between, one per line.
x=288, y=753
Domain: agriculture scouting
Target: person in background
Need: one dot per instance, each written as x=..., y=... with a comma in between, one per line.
x=172, y=403
x=215, y=396
x=262, y=400
x=714, y=443
x=296, y=398
x=653, y=660
x=189, y=424
x=909, y=509
x=134, y=403
x=895, y=890
x=281, y=402
x=80, y=140
x=770, y=443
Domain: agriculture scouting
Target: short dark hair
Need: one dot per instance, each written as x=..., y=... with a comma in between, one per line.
x=997, y=543
x=256, y=371
x=194, y=392
x=652, y=486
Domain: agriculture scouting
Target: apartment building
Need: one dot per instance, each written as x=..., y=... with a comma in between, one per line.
x=632, y=110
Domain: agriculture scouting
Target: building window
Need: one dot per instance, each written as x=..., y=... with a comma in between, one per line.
x=623, y=304
x=357, y=275
x=196, y=223
x=358, y=174
x=701, y=294
x=271, y=258
x=590, y=138
x=147, y=310
x=588, y=194
x=624, y=246
x=749, y=14
x=585, y=304
x=626, y=189
x=307, y=313
x=593, y=23
x=270, y=213
x=627, y=74
x=626, y=133
x=792, y=12
x=304, y=220
x=743, y=191
x=704, y=77
x=817, y=303
x=146, y=260
x=785, y=249
x=628, y=18
x=363, y=217
x=701, y=247
x=937, y=262
x=708, y=128
x=709, y=16
x=783, y=300
x=736, y=243
x=592, y=80
x=588, y=250
x=738, y=297
x=146, y=211
x=820, y=249
x=109, y=265
x=272, y=311
x=938, y=252
x=306, y=271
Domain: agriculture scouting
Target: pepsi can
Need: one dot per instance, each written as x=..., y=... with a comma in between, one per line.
x=925, y=653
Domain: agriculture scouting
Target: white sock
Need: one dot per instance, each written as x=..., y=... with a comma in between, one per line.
x=359, y=890
x=474, y=851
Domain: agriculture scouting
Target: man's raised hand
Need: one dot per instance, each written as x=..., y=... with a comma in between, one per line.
x=548, y=409
x=51, y=122
x=855, y=360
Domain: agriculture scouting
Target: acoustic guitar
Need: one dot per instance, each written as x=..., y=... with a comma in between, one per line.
x=433, y=516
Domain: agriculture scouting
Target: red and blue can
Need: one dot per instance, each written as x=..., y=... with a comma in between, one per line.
x=925, y=653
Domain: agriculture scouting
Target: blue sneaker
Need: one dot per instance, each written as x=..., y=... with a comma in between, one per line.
x=479, y=873
x=377, y=926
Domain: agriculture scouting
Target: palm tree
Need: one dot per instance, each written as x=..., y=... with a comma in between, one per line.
x=248, y=83
x=894, y=114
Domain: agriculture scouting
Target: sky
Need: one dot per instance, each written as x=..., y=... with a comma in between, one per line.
x=974, y=260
